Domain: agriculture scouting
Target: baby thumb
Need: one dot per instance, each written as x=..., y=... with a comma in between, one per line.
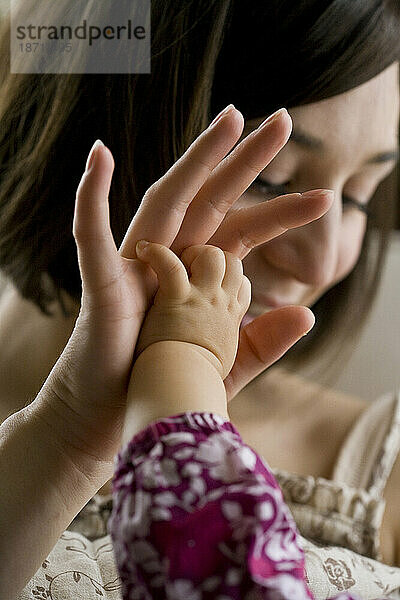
x=171, y=273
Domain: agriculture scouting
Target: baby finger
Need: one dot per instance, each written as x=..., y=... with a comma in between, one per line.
x=233, y=274
x=171, y=273
x=244, y=294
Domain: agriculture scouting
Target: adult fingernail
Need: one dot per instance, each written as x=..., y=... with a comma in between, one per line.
x=313, y=322
x=273, y=117
x=92, y=154
x=222, y=114
x=318, y=192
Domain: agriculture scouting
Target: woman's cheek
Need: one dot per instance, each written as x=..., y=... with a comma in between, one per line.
x=352, y=236
x=270, y=280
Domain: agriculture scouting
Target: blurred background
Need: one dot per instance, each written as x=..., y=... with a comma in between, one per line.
x=375, y=365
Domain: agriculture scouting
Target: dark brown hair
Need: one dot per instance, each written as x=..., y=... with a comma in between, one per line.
x=317, y=49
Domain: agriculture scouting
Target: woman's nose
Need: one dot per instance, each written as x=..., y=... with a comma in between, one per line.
x=309, y=253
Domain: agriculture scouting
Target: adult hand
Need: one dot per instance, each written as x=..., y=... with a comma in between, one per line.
x=207, y=218
x=187, y=206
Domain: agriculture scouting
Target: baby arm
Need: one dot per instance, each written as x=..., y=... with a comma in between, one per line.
x=193, y=506
x=189, y=338
x=196, y=511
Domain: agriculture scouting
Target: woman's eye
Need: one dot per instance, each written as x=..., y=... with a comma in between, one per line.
x=274, y=189
x=261, y=186
x=349, y=202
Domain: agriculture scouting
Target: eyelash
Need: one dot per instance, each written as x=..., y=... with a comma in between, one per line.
x=267, y=188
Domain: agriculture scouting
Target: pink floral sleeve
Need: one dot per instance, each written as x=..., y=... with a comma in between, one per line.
x=198, y=515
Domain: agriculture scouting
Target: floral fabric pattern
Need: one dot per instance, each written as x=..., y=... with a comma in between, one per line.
x=198, y=515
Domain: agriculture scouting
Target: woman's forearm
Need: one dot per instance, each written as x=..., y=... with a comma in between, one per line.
x=169, y=378
x=41, y=491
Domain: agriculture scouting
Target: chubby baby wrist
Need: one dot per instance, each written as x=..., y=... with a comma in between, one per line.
x=173, y=346
x=170, y=378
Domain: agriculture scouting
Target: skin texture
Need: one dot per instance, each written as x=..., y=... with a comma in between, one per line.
x=202, y=299
x=188, y=341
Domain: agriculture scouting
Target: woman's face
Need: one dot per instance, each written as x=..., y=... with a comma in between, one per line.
x=345, y=143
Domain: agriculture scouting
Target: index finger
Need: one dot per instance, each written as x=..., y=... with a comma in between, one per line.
x=164, y=205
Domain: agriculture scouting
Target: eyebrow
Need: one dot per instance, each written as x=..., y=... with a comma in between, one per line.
x=313, y=143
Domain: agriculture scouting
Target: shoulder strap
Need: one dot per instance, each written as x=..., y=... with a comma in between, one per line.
x=371, y=447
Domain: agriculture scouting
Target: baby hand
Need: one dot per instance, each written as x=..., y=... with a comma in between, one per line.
x=202, y=298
